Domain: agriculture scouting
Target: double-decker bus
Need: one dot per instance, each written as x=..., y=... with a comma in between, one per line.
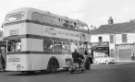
x=40, y=40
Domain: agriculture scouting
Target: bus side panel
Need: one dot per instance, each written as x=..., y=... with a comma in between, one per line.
x=40, y=61
x=17, y=62
x=31, y=44
x=33, y=62
x=49, y=31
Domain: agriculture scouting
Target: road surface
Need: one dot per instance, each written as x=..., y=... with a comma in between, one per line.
x=98, y=73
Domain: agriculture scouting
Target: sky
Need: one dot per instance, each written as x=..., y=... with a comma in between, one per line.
x=93, y=12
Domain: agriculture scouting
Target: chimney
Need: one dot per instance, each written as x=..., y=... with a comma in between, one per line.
x=110, y=20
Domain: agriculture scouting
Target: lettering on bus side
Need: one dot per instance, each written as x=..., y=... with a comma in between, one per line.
x=14, y=32
x=54, y=31
x=13, y=59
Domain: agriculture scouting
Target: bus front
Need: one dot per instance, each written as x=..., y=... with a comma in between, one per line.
x=14, y=30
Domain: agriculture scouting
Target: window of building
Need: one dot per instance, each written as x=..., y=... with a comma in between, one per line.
x=124, y=38
x=111, y=38
x=100, y=39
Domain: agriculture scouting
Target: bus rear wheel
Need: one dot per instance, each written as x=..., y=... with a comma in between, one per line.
x=53, y=65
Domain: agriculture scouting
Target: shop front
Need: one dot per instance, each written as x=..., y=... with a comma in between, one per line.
x=124, y=52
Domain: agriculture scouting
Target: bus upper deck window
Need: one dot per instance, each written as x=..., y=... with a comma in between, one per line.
x=14, y=17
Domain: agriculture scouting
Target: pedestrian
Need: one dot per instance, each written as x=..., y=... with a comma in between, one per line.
x=133, y=57
x=2, y=63
x=91, y=56
x=87, y=61
x=77, y=57
x=2, y=59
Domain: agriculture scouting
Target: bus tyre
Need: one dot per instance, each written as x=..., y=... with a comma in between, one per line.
x=53, y=65
x=28, y=72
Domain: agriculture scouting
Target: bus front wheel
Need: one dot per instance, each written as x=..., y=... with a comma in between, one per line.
x=53, y=65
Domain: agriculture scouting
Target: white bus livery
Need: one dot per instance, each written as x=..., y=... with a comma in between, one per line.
x=40, y=40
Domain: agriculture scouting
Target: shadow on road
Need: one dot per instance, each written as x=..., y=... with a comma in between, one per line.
x=33, y=73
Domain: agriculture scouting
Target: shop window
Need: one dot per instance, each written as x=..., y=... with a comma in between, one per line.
x=124, y=38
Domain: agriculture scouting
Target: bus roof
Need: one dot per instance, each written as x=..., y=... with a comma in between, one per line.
x=29, y=9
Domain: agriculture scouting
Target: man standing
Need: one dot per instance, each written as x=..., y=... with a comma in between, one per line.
x=77, y=57
x=88, y=60
x=2, y=58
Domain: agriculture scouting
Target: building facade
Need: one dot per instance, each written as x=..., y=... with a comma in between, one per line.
x=121, y=39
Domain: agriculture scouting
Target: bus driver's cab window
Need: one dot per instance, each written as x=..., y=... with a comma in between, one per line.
x=14, y=46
